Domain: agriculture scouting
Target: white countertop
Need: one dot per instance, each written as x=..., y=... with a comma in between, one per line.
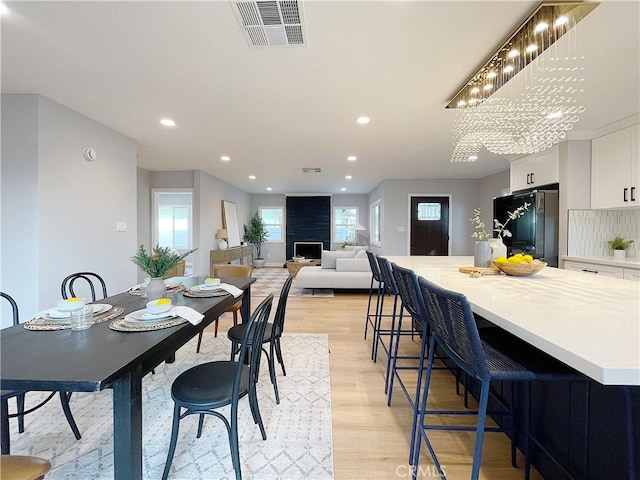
x=633, y=262
x=587, y=322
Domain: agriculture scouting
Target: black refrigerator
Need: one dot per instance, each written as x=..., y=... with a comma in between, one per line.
x=536, y=232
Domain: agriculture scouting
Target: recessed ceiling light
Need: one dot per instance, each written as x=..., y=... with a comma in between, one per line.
x=363, y=120
x=348, y=177
x=343, y=189
x=167, y=122
x=473, y=158
x=225, y=158
x=252, y=177
x=269, y=188
x=561, y=21
x=3, y=9
x=352, y=158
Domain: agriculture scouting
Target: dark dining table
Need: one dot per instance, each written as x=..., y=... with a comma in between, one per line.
x=98, y=358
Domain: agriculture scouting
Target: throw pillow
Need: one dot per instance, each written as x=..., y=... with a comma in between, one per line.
x=329, y=257
x=361, y=254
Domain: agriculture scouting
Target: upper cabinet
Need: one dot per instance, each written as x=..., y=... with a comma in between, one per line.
x=615, y=169
x=535, y=170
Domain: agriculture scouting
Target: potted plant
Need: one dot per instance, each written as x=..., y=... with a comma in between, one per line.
x=619, y=246
x=256, y=234
x=156, y=264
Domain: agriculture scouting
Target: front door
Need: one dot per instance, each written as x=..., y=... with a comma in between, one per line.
x=429, y=226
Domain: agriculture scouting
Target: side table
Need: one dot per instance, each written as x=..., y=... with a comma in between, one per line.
x=294, y=267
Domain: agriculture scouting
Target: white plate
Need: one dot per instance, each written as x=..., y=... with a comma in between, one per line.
x=204, y=288
x=54, y=313
x=169, y=284
x=143, y=315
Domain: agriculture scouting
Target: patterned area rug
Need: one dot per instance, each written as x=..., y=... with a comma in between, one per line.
x=270, y=280
x=298, y=445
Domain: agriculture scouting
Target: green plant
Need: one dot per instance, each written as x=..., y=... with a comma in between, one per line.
x=159, y=262
x=479, y=232
x=256, y=233
x=619, y=243
x=517, y=213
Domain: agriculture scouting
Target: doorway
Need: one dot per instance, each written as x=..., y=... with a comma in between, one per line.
x=429, y=224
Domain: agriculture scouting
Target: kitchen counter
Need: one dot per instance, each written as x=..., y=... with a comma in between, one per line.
x=588, y=322
x=633, y=262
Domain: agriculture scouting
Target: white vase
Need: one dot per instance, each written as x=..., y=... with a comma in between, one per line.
x=482, y=254
x=498, y=248
x=156, y=289
x=222, y=244
x=619, y=254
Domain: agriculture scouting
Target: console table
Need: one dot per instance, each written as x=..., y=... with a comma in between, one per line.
x=230, y=254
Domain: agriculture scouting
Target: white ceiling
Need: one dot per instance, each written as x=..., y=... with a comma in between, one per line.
x=277, y=110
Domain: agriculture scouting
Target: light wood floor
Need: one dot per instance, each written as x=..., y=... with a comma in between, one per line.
x=370, y=439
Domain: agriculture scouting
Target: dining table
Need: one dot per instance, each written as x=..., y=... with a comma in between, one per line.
x=99, y=357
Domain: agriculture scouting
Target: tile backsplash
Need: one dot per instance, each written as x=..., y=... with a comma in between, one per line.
x=589, y=231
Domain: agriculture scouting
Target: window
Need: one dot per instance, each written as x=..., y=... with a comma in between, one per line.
x=173, y=219
x=273, y=218
x=375, y=223
x=344, y=222
x=429, y=211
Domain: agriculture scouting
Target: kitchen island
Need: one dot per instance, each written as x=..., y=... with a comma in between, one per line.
x=592, y=428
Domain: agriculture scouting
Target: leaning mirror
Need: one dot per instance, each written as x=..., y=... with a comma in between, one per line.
x=230, y=223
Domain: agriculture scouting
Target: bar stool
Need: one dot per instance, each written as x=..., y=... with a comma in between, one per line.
x=19, y=467
x=455, y=332
x=379, y=291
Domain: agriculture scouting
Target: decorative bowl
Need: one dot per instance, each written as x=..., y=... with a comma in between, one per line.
x=211, y=282
x=521, y=269
x=73, y=303
x=159, y=306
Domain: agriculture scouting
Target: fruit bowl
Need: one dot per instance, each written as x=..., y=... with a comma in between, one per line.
x=521, y=269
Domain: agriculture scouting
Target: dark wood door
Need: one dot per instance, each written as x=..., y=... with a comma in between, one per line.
x=429, y=226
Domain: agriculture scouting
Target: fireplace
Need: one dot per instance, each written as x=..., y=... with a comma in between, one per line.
x=308, y=250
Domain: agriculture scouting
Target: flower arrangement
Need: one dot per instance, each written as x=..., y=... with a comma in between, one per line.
x=160, y=261
x=619, y=243
x=517, y=213
x=479, y=232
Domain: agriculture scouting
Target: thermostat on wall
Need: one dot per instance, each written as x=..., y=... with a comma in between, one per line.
x=89, y=154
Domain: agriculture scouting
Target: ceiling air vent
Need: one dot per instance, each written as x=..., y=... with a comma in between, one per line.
x=271, y=23
x=311, y=170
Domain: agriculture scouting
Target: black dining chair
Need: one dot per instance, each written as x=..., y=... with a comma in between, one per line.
x=67, y=290
x=5, y=395
x=454, y=330
x=272, y=336
x=204, y=388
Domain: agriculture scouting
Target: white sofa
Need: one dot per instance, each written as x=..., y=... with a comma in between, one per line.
x=340, y=269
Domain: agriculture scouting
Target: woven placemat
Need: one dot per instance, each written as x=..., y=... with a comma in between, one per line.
x=176, y=289
x=124, y=325
x=62, y=324
x=205, y=294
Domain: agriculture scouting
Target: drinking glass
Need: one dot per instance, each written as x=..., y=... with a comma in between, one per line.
x=82, y=318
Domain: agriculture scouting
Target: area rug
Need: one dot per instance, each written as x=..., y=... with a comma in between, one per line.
x=270, y=280
x=298, y=445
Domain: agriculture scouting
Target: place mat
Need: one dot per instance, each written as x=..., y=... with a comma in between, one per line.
x=205, y=294
x=41, y=324
x=124, y=325
x=178, y=288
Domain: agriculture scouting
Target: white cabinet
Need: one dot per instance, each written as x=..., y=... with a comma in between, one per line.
x=615, y=169
x=595, y=269
x=535, y=170
x=632, y=274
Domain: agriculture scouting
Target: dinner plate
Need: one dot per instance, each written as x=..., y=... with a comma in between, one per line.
x=143, y=315
x=204, y=288
x=171, y=284
x=56, y=314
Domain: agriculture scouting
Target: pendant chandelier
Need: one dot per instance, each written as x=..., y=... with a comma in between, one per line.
x=521, y=101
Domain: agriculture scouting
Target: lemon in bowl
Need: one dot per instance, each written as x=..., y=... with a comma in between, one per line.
x=521, y=268
x=159, y=306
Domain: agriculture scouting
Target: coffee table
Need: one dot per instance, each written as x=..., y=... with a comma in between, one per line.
x=294, y=267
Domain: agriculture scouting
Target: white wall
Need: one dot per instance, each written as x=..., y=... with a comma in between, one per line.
x=19, y=255
x=72, y=213
x=488, y=188
x=274, y=252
